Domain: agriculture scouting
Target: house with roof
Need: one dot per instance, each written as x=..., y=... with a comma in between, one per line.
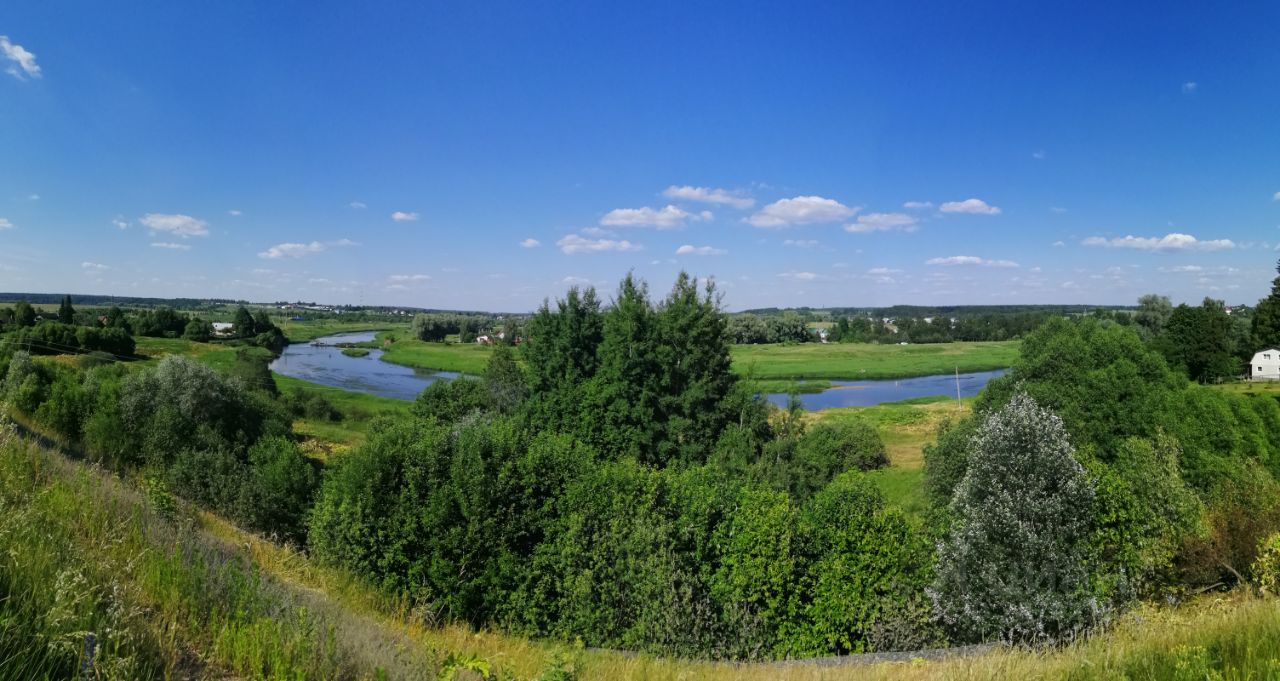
x=1265, y=365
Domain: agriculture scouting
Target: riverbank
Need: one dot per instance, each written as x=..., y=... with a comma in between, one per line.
x=865, y=361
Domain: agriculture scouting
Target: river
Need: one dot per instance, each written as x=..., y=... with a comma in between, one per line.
x=326, y=365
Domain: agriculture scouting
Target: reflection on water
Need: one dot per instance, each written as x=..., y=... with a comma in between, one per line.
x=326, y=365
x=869, y=393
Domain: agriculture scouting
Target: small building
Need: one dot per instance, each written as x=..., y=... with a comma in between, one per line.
x=1265, y=365
x=223, y=328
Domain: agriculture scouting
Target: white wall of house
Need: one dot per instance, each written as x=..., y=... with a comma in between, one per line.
x=1265, y=365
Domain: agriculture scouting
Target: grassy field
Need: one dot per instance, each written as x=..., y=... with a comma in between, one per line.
x=906, y=428
x=176, y=593
x=1271, y=388
x=775, y=367
x=852, y=361
x=301, y=332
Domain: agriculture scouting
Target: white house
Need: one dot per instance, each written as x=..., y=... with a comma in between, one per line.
x=1265, y=365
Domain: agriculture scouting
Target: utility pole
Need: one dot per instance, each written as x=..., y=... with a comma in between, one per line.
x=959, y=407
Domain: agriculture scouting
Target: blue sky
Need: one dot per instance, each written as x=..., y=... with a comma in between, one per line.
x=487, y=155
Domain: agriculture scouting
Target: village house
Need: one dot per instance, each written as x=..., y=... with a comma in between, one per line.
x=1265, y=365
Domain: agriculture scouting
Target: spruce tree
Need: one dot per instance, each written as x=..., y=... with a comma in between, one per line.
x=66, y=313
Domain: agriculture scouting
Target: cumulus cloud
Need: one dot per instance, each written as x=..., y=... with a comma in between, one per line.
x=801, y=210
x=410, y=277
x=1038, y=155
x=1190, y=87
x=689, y=249
x=575, y=281
x=33, y=197
x=574, y=244
x=24, y=62
x=1166, y=243
x=918, y=205
x=120, y=222
x=358, y=205
x=530, y=243
x=970, y=260
x=722, y=197
x=882, y=222
x=402, y=216
x=1276, y=197
x=1183, y=268
x=170, y=246
x=881, y=271
x=5, y=224
x=669, y=217
x=798, y=276
x=1058, y=244
x=291, y=250
x=93, y=267
x=971, y=206
x=800, y=243
x=176, y=224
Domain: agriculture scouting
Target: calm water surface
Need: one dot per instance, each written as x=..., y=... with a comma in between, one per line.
x=870, y=393
x=327, y=365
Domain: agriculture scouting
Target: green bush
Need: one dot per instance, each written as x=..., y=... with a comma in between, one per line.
x=1013, y=564
x=830, y=448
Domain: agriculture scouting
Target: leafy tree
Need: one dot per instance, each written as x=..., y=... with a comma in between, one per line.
x=505, y=380
x=262, y=322
x=66, y=313
x=198, y=330
x=243, y=323
x=1266, y=318
x=831, y=448
x=1198, y=340
x=1153, y=314
x=560, y=351
x=449, y=401
x=1012, y=566
x=626, y=388
x=23, y=314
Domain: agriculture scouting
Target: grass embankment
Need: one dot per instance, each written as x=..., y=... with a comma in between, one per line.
x=906, y=427
x=178, y=593
x=466, y=358
x=356, y=352
x=856, y=361
x=303, y=332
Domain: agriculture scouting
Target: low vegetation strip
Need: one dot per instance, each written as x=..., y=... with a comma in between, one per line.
x=851, y=361
x=463, y=358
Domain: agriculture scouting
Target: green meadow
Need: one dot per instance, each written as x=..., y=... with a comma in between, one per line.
x=853, y=361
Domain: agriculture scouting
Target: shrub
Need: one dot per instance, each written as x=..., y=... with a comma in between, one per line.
x=1012, y=566
x=1266, y=569
x=828, y=449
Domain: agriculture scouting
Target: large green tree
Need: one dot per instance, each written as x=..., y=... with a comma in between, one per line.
x=24, y=314
x=1198, y=340
x=1266, y=318
x=66, y=313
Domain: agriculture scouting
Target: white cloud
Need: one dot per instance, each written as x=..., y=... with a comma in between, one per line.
x=1057, y=209
x=5, y=224
x=235, y=213
x=575, y=281
x=598, y=232
x=93, y=267
x=410, y=277
x=530, y=243
x=1190, y=87
x=800, y=243
x=1058, y=244
x=801, y=210
x=290, y=250
x=177, y=224
x=669, y=217
x=573, y=244
x=1166, y=243
x=170, y=246
x=722, y=197
x=1276, y=197
x=970, y=260
x=689, y=249
x=402, y=216
x=120, y=222
x=799, y=276
x=1183, y=268
x=881, y=271
x=971, y=206
x=1038, y=155
x=917, y=205
x=24, y=62
x=33, y=197
x=882, y=222
x=358, y=205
